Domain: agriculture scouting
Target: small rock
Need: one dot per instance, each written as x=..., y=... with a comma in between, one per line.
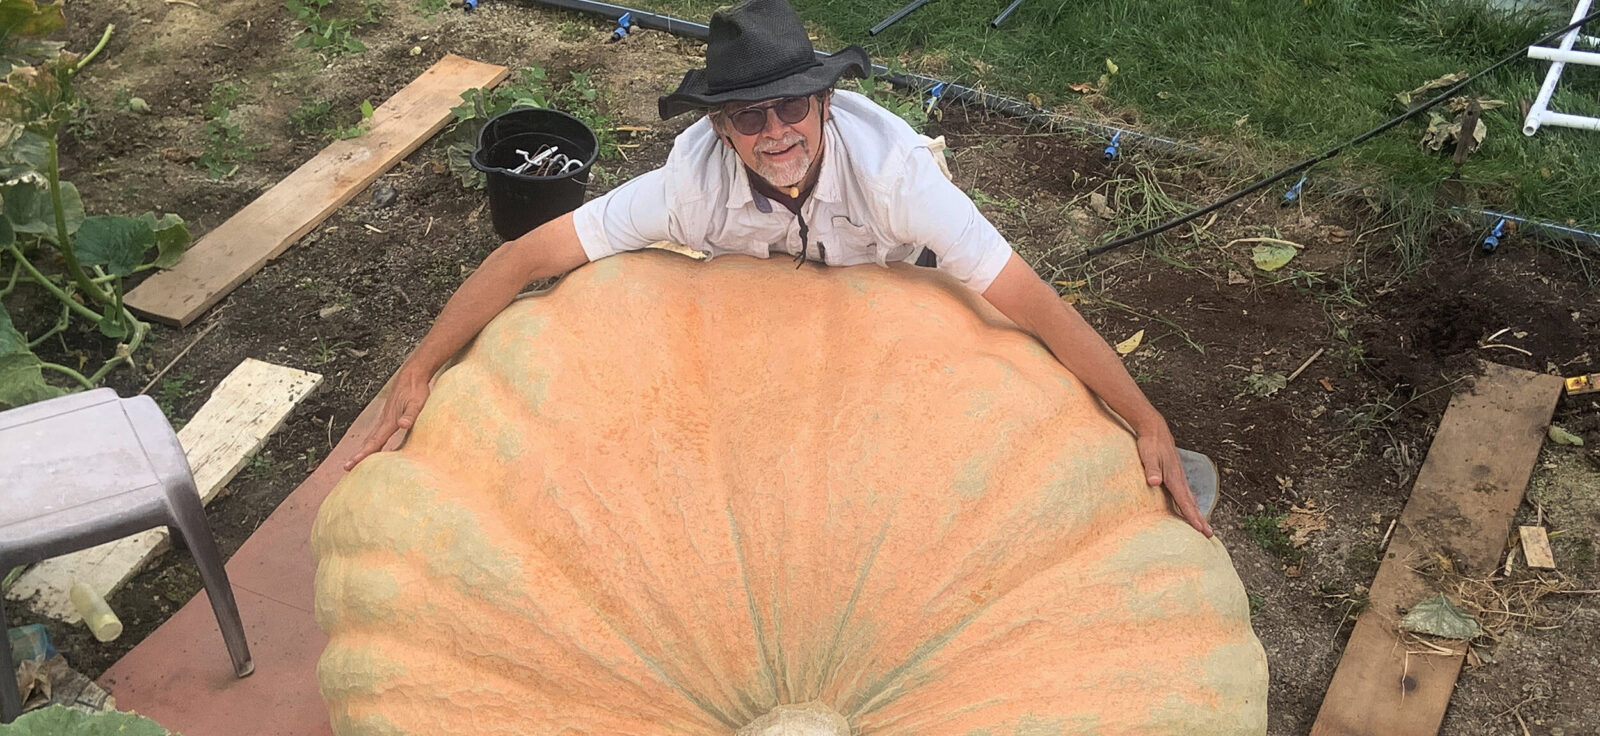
x=329, y=311
x=383, y=195
x=1098, y=205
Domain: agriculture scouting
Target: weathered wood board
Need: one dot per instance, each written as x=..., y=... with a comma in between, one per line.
x=1461, y=507
x=238, y=248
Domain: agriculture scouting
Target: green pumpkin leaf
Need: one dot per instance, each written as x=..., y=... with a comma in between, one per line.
x=27, y=206
x=112, y=324
x=72, y=205
x=22, y=152
x=172, y=237
x=21, y=378
x=1439, y=617
x=58, y=720
x=28, y=18
x=118, y=243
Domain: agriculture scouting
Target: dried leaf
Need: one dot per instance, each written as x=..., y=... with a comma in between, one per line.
x=1265, y=384
x=1034, y=100
x=1439, y=617
x=1300, y=525
x=1131, y=344
x=1406, y=98
x=1164, y=95
x=1327, y=385
x=1082, y=88
x=1235, y=278
x=1272, y=256
x=1563, y=437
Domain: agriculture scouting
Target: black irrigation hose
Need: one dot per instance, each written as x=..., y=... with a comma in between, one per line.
x=922, y=84
x=1330, y=153
x=1031, y=114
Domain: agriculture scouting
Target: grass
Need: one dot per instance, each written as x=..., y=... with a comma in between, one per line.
x=172, y=392
x=1279, y=80
x=331, y=34
x=225, y=146
x=1265, y=530
x=318, y=119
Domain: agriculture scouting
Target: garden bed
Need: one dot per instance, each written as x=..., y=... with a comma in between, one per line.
x=1398, y=311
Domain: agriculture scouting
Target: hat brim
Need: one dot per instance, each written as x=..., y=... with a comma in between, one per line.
x=692, y=93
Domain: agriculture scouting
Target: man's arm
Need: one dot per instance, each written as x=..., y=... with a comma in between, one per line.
x=1026, y=299
x=549, y=250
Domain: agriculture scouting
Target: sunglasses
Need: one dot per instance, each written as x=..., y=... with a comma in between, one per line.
x=752, y=120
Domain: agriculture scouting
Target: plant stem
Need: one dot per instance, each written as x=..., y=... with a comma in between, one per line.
x=56, y=291
x=74, y=375
x=104, y=37
x=124, y=353
x=11, y=577
x=11, y=283
x=61, y=324
x=63, y=243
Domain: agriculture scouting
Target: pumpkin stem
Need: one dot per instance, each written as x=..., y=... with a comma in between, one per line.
x=802, y=719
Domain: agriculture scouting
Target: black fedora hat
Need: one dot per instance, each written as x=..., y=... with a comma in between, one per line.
x=759, y=50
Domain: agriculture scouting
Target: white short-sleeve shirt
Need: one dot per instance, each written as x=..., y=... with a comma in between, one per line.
x=880, y=197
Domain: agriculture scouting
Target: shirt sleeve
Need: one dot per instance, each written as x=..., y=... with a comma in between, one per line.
x=629, y=217
x=928, y=210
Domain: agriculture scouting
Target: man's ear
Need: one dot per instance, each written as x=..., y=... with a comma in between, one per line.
x=722, y=135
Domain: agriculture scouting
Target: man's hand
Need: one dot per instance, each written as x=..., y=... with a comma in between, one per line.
x=1159, y=455
x=400, y=411
x=549, y=250
x=1021, y=295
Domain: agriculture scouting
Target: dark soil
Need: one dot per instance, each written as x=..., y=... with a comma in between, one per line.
x=1345, y=436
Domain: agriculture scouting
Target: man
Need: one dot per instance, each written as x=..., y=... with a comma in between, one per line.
x=783, y=164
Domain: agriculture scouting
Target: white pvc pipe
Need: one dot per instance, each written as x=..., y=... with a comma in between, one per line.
x=1569, y=121
x=1540, y=110
x=1566, y=57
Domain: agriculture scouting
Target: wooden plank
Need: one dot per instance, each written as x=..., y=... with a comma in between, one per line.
x=1536, y=547
x=1461, y=507
x=248, y=405
x=238, y=248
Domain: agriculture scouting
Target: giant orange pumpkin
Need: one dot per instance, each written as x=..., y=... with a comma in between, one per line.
x=671, y=497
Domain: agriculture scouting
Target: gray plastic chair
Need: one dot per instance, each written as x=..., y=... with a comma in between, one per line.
x=89, y=468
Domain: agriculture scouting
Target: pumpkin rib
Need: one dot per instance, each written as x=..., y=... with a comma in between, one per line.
x=420, y=562
x=878, y=495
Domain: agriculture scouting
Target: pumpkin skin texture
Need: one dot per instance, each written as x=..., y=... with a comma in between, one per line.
x=673, y=497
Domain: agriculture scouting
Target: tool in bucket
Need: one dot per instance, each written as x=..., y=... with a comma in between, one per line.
x=548, y=161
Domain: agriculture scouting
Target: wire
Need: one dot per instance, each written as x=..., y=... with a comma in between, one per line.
x=1330, y=153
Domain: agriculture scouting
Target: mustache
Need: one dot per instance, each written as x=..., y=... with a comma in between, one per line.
x=780, y=144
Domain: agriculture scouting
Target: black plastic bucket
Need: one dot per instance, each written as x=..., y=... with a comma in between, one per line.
x=521, y=202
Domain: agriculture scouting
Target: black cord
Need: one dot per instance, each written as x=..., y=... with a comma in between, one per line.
x=1330, y=153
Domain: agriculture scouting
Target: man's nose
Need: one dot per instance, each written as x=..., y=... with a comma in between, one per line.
x=773, y=127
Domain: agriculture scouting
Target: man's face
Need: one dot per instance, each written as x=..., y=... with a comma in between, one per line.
x=780, y=152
